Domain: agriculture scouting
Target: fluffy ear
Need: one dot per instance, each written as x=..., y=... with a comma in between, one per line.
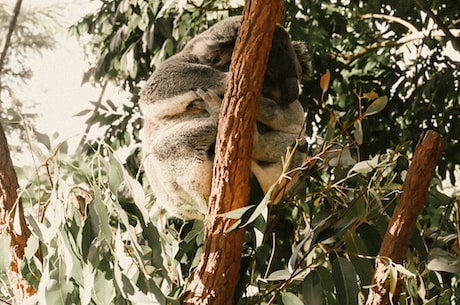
x=304, y=58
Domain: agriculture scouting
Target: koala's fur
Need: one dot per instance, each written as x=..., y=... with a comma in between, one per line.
x=180, y=104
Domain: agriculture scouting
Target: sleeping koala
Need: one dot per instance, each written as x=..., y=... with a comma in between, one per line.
x=180, y=104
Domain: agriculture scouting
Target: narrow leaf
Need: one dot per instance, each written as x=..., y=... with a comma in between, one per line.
x=290, y=299
x=358, y=133
x=324, y=82
x=366, y=166
x=312, y=290
x=279, y=275
x=376, y=106
x=345, y=281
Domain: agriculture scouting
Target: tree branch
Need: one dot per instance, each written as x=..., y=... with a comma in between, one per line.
x=455, y=41
x=396, y=240
x=391, y=19
x=11, y=27
x=217, y=274
x=403, y=40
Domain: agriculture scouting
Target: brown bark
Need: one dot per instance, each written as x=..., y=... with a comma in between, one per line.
x=396, y=240
x=10, y=204
x=215, y=279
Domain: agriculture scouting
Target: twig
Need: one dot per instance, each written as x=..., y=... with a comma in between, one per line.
x=455, y=41
x=403, y=40
x=11, y=27
x=391, y=19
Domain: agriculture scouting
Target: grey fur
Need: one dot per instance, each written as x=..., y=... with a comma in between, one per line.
x=180, y=103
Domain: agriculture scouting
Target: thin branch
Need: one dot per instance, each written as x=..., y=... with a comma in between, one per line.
x=11, y=28
x=405, y=39
x=455, y=41
x=391, y=19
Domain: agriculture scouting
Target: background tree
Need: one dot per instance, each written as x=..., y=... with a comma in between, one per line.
x=20, y=38
x=32, y=34
x=384, y=72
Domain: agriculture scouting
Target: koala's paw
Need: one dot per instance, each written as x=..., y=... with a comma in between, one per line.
x=211, y=98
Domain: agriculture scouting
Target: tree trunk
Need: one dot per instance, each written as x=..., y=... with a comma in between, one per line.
x=217, y=274
x=10, y=204
x=409, y=206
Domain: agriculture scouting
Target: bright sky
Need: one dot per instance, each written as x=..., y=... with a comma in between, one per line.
x=56, y=83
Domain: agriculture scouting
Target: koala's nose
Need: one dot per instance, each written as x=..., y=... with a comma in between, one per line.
x=290, y=90
x=211, y=151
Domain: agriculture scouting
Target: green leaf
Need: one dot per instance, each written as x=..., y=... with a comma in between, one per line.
x=57, y=287
x=440, y=260
x=441, y=299
x=237, y=213
x=366, y=166
x=342, y=158
x=83, y=112
x=358, y=132
x=105, y=290
x=279, y=275
x=345, y=281
x=376, y=106
x=289, y=298
x=363, y=266
x=312, y=290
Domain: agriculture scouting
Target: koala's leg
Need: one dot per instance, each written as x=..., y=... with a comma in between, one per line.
x=178, y=162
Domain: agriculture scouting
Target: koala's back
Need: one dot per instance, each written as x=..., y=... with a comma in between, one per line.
x=174, y=77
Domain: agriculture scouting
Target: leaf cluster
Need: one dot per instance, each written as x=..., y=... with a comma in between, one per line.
x=314, y=237
x=311, y=240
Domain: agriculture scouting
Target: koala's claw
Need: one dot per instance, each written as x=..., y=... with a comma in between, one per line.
x=211, y=98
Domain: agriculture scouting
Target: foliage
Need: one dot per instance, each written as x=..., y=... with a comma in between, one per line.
x=98, y=244
x=366, y=46
x=372, y=95
x=32, y=35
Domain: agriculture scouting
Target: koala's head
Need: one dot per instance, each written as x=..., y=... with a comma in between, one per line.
x=214, y=46
x=287, y=62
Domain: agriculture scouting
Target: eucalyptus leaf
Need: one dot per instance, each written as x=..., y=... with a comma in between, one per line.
x=441, y=260
x=376, y=106
x=345, y=281
x=312, y=290
x=290, y=299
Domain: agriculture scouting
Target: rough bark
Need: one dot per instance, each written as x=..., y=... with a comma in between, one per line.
x=396, y=240
x=216, y=276
x=11, y=209
x=10, y=205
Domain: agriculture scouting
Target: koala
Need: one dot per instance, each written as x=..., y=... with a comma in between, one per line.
x=180, y=103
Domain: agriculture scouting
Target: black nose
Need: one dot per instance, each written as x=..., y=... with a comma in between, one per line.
x=211, y=151
x=290, y=90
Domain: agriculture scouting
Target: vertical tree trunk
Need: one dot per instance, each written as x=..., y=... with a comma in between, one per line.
x=396, y=240
x=217, y=274
x=18, y=233
x=10, y=204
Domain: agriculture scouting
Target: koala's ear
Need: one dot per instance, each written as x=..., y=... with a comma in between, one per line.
x=304, y=59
